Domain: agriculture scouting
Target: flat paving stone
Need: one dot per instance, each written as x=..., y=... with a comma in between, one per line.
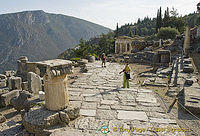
x=106, y=114
x=92, y=99
x=162, y=121
x=89, y=105
x=86, y=112
x=104, y=107
x=132, y=115
x=109, y=102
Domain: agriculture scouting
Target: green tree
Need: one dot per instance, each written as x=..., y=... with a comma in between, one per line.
x=166, y=18
x=167, y=33
x=159, y=19
x=81, y=49
x=174, y=12
x=130, y=34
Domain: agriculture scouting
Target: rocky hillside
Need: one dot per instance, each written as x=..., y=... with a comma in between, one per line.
x=39, y=35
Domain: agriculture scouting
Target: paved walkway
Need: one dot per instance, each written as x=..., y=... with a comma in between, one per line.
x=125, y=112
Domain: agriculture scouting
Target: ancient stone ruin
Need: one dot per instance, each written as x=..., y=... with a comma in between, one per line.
x=123, y=44
x=160, y=58
x=48, y=78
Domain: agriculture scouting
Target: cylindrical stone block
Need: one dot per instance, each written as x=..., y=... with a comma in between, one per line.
x=56, y=92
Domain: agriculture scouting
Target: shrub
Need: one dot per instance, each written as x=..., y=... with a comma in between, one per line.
x=75, y=59
x=167, y=33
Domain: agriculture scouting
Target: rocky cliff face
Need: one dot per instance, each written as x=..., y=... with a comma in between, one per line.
x=40, y=36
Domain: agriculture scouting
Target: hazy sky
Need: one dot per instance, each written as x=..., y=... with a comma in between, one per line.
x=103, y=12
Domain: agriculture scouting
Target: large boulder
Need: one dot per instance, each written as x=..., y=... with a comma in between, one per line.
x=5, y=98
x=34, y=83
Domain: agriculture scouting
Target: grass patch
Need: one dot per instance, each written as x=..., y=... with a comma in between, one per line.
x=75, y=59
x=156, y=91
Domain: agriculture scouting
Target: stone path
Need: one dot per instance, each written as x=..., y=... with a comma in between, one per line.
x=125, y=112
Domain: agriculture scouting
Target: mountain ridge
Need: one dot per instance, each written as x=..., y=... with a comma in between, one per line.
x=40, y=35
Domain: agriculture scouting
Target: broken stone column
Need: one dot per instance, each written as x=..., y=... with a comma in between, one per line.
x=187, y=41
x=57, y=110
x=34, y=83
x=160, y=43
x=14, y=83
x=55, y=85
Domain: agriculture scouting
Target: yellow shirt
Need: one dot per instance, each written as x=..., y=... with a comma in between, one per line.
x=127, y=69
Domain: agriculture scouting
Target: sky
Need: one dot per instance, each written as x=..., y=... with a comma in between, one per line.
x=104, y=12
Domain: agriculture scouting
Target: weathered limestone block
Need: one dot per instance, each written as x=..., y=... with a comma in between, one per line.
x=41, y=95
x=3, y=77
x=14, y=83
x=83, y=61
x=10, y=73
x=3, y=91
x=5, y=98
x=188, y=69
x=64, y=117
x=72, y=112
x=192, y=99
x=21, y=67
x=188, y=82
x=2, y=118
x=2, y=84
x=20, y=102
x=39, y=119
x=187, y=61
x=91, y=59
x=25, y=85
x=34, y=83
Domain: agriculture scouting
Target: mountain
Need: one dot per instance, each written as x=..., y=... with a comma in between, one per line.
x=40, y=36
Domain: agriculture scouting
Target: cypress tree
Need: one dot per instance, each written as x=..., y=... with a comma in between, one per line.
x=166, y=18
x=117, y=31
x=159, y=19
x=130, y=34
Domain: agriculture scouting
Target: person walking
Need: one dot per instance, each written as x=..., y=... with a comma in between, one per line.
x=103, y=58
x=126, y=76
